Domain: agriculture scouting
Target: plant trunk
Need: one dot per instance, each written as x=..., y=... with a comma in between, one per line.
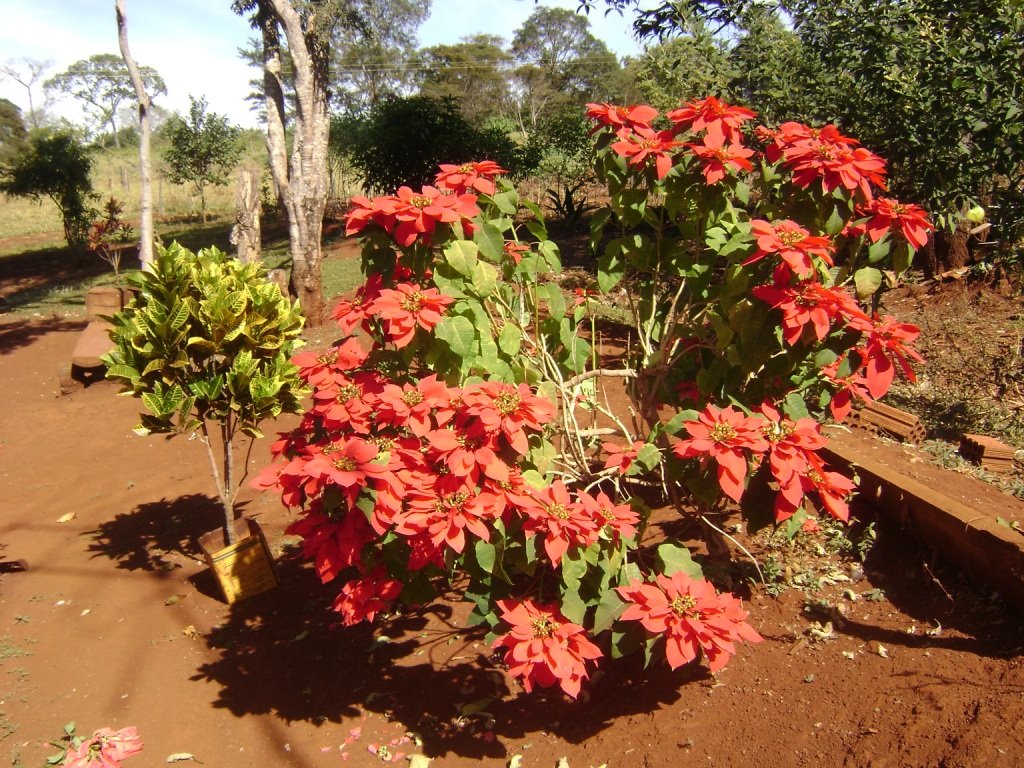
x=303, y=185
x=246, y=233
x=145, y=128
x=946, y=250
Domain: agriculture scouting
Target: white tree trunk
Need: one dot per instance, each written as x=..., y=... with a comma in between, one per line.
x=145, y=170
x=305, y=189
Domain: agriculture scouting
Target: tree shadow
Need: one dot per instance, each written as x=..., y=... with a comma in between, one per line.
x=15, y=335
x=142, y=539
x=279, y=655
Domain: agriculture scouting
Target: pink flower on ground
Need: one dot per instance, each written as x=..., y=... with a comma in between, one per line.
x=105, y=749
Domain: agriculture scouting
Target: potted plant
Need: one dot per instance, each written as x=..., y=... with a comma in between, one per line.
x=206, y=346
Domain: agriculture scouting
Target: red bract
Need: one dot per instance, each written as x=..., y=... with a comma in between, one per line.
x=349, y=464
x=346, y=403
x=410, y=407
x=467, y=451
x=409, y=306
x=616, y=521
x=509, y=410
x=847, y=388
x=832, y=488
x=721, y=119
x=716, y=157
x=691, y=616
x=810, y=303
x=352, y=314
x=467, y=177
x=515, y=250
x=642, y=144
x=563, y=523
x=362, y=599
x=889, y=343
x=418, y=213
x=545, y=648
x=792, y=243
x=727, y=436
x=887, y=215
x=322, y=368
x=790, y=446
x=333, y=545
x=835, y=159
x=622, y=120
x=365, y=211
x=446, y=511
x=620, y=457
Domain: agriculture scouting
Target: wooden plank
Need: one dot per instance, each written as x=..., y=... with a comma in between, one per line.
x=968, y=536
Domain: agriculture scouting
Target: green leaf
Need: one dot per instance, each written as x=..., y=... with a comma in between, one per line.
x=573, y=607
x=610, y=270
x=608, y=611
x=878, y=251
x=868, y=280
x=486, y=555
x=649, y=456
x=459, y=333
x=462, y=256
x=490, y=241
x=675, y=558
x=484, y=279
x=510, y=339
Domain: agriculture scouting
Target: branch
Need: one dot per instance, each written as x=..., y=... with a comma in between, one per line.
x=620, y=373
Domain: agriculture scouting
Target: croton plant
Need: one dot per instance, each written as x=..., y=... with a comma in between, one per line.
x=460, y=433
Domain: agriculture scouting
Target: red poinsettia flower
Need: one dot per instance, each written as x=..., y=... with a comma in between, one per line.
x=446, y=511
x=810, y=304
x=469, y=177
x=515, y=250
x=886, y=215
x=616, y=521
x=728, y=436
x=643, y=144
x=332, y=544
x=691, y=616
x=563, y=523
x=417, y=214
x=352, y=314
x=362, y=599
x=545, y=648
x=509, y=410
x=847, y=389
x=407, y=306
x=349, y=463
x=721, y=119
x=467, y=451
x=621, y=457
x=365, y=211
x=833, y=158
x=889, y=344
x=622, y=120
x=791, y=243
x=717, y=157
x=832, y=488
x=790, y=445
x=410, y=407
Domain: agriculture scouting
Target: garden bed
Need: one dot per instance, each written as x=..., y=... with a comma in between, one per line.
x=116, y=623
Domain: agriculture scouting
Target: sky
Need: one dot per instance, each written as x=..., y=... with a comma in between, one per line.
x=193, y=44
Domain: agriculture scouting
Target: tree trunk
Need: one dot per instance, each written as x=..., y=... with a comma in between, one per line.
x=245, y=235
x=145, y=169
x=946, y=250
x=305, y=188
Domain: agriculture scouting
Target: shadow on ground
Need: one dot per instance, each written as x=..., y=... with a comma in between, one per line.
x=278, y=655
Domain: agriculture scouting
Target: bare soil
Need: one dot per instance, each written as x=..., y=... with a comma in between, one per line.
x=116, y=622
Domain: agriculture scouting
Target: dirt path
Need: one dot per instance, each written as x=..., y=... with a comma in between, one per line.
x=87, y=634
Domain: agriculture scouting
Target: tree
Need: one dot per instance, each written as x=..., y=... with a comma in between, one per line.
x=55, y=166
x=12, y=132
x=203, y=150
x=102, y=83
x=301, y=182
x=692, y=66
x=472, y=72
x=145, y=129
x=372, y=58
x=934, y=85
x=26, y=73
x=561, y=63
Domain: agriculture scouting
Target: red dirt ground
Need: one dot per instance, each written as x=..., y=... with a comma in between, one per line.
x=929, y=675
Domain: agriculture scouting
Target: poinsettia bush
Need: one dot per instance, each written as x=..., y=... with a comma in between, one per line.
x=459, y=432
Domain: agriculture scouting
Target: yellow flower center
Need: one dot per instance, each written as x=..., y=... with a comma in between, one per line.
x=722, y=433
x=559, y=511
x=543, y=626
x=413, y=302
x=507, y=402
x=776, y=431
x=412, y=397
x=345, y=464
x=683, y=605
x=789, y=237
x=347, y=392
x=466, y=168
x=419, y=201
